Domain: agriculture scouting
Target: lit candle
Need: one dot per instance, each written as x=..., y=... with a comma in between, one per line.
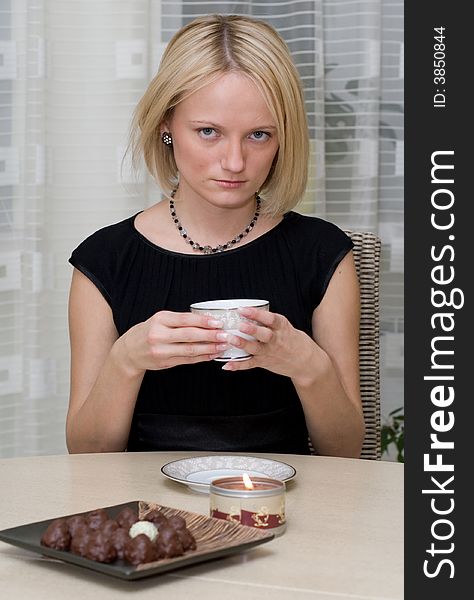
x=258, y=502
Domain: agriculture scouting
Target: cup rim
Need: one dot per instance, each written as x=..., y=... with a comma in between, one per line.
x=229, y=304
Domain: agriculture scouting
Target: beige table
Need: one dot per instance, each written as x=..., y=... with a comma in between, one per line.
x=344, y=537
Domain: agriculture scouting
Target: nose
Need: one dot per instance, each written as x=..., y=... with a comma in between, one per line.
x=233, y=158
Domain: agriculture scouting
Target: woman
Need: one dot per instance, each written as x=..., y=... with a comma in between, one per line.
x=222, y=129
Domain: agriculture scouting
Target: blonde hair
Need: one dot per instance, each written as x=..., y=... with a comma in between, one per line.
x=197, y=55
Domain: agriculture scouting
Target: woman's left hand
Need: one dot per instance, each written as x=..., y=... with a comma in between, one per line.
x=278, y=346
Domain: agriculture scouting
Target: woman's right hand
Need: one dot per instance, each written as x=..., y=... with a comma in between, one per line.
x=168, y=339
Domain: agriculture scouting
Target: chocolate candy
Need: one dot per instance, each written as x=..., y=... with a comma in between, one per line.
x=108, y=527
x=80, y=540
x=97, y=518
x=119, y=538
x=187, y=539
x=126, y=518
x=97, y=537
x=177, y=522
x=157, y=518
x=140, y=550
x=76, y=523
x=168, y=543
x=57, y=535
x=100, y=548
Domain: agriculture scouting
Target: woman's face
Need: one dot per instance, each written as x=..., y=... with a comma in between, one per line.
x=224, y=142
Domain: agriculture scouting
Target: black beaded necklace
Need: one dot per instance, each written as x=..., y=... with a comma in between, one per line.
x=221, y=247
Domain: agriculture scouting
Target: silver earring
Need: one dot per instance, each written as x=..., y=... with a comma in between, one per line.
x=166, y=138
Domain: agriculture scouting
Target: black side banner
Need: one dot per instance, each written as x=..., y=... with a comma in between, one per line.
x=439, y=367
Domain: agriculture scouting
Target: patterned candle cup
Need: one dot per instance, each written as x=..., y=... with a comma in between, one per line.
x=262, y=506
x=227, y=312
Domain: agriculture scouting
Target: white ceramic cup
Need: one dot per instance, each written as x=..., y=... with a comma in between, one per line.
x=226, y=311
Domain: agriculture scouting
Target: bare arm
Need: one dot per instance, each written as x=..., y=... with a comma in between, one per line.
x=107, y=370
x=329, y=389
x=103, y=392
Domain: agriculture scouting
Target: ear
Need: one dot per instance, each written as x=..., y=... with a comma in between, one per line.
x=165, y=126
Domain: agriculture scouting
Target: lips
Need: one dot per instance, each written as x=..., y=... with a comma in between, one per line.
x=226, y=183
x=230, y=180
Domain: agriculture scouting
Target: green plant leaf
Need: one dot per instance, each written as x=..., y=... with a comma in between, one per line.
x=392, y=433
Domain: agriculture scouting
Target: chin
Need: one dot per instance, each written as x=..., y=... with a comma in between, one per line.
x=232, y=199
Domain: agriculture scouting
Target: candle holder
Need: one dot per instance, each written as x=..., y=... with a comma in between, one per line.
x=262, y=506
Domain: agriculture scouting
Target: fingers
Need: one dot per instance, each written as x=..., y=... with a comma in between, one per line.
x=188, y=327
x=262, y=334
x=190, y=351
x=190, y=338
x=265, y=317
x=242, y=365
x=194, y=334
x=183, y=338
x=250, y=346
x=177, y=319
x=189, y=360
x=176, y=362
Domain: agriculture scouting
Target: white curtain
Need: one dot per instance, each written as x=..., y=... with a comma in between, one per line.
x=71, y=72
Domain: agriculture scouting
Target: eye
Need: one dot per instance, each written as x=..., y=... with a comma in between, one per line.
x=260, y=136
x=207, y=132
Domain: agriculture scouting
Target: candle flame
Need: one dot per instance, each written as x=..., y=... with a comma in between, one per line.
x=247, y=482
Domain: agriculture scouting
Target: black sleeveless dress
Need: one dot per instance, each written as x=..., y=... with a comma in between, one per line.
x=201, y=407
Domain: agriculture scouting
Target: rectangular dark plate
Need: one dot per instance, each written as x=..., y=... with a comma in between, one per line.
x=215, y=538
